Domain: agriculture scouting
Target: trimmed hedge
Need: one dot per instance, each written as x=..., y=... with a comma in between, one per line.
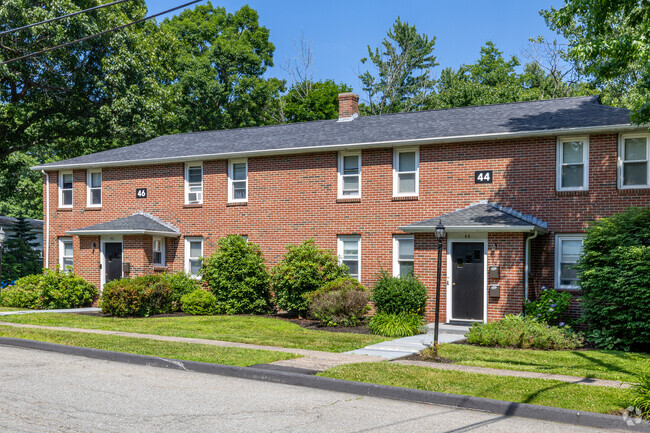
x=49, y=290
x=395, y=295
x=139, y=296
x=343, y=301
x=199, y=302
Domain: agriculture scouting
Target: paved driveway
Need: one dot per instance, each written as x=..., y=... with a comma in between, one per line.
x=48, y=392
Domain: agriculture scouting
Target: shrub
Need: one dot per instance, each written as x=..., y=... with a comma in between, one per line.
x=399, y=294
x=640, y=400
x=343, y=301
x=238, y=278
x=551, y=306
x=138, y=296
x=49, y=290
x=403, y=324
x=180, y=284
x=524, y=333
x=614, y=272
x=199, y=302
x=302, y=270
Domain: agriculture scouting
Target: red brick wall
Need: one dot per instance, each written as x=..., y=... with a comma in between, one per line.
x=294, y=197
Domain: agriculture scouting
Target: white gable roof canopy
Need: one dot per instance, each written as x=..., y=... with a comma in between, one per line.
x=139, y=223
x=481, y=217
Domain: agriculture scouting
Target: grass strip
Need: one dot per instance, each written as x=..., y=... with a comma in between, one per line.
x=600, y=364
x=143, y=346
x=3, y=309
x=241, y=329
x=516, y=389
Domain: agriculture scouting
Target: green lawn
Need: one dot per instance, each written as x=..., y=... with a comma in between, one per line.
x=601, y=364
x=142, y=346
x=515, y=389
x=11, y=309
x=242, y=329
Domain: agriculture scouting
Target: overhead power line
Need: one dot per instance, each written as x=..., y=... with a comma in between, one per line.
x=62, y=17
x=67, y=44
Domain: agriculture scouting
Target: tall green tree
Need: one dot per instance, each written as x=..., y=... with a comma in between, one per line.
x=312, y=101
x=404, y=65
x=20, y=256
x=611, y=40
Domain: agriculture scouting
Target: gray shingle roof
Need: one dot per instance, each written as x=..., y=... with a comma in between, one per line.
x=6, y=221
x=519, y=118
x=482, y=216
x=138, y=223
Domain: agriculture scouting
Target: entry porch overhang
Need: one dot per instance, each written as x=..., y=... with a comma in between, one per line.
x=481, y=217
x=139, y=223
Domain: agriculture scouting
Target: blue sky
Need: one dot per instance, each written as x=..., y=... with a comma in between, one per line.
x=340, y=31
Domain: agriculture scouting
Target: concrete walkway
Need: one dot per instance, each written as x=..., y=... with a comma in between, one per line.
x=66, y=310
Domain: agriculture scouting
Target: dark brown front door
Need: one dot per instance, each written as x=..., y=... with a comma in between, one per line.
x=113, y=255
x=467, y=282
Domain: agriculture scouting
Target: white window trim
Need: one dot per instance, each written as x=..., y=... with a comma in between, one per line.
x=396, y=261
x=339, y=242
x=89, y=189
x=621, y=156
x=396, y=152
x=62, y=250
x=231, y=194
x=187, y=254
x=560, y=163
x=61, y=173
x=559, y=238
x=187, y=182
x=162, y=250
x=340, y=174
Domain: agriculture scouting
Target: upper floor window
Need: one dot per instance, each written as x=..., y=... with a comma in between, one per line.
x=349, y=175
x=567, y=252
x=65, y=189
x=572, y=164
x=66, y=261
x=158, y=251
x=349, y=252
x=193, y=254
x=406, y=172
x=194, y=183
x=634, y=169
x=94, y=197
x=237, y=180
x=403, y=255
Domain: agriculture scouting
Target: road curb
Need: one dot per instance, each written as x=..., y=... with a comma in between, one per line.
x=544, y=413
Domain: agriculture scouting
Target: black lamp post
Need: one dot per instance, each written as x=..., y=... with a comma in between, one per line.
x=440, y=235
x=2, y=239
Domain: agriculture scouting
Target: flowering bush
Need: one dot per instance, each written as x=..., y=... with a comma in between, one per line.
x=550, y=308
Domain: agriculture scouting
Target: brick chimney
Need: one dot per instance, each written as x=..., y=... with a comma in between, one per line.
x=348, y=106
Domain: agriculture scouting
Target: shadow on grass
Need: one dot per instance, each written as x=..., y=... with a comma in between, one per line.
x=602, y=363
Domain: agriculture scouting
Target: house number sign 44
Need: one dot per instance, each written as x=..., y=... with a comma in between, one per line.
x=141, y=192
x=483, y=176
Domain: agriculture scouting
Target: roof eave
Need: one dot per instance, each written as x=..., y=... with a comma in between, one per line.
x=122, y=232
x=492, y=228
x=349, y=146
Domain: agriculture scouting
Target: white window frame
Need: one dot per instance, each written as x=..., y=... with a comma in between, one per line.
x=231, y=192
x=621, y=160
x=188, y=268
x=187, y=183
x=396, y=259
x=357, y=238
x=62, y=241
x=560, y=163
x=61, y=189
x=396, y=154
x=89, y=188
x=341, y=174
x=559, y=238
x=162, y=250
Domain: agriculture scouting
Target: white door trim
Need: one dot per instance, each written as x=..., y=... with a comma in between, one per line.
x=453, y=238
x=102, y=256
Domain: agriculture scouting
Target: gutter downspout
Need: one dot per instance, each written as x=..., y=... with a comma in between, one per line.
x=527, y=267
x=47, y=212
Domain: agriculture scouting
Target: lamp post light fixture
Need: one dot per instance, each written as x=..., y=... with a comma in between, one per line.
x=440, y=235
x=2, y=239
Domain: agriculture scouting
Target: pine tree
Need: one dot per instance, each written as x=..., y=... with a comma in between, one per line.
x=20, y=256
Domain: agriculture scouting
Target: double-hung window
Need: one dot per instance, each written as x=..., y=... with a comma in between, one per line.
x=349, y=175
x=403, y=255
x=65, y=189
x=94, y=198
x=66, y=261
x=158, y=251
x=349, y=252
x=237, y=180
x=194, y=183
x=634, y=167
x=193, y=254
x=567, y=252
x=573, y=164
x=406, y=172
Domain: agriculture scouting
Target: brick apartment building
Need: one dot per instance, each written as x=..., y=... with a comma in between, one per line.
x=514, y=184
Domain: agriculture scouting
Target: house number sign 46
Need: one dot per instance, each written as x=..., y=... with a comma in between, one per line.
x=483, y=176
x=141, y=192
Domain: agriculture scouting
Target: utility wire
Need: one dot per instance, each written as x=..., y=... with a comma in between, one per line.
x=62, y=17
x=47, y=50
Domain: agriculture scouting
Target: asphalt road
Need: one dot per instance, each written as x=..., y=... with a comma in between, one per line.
x=48, y=392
